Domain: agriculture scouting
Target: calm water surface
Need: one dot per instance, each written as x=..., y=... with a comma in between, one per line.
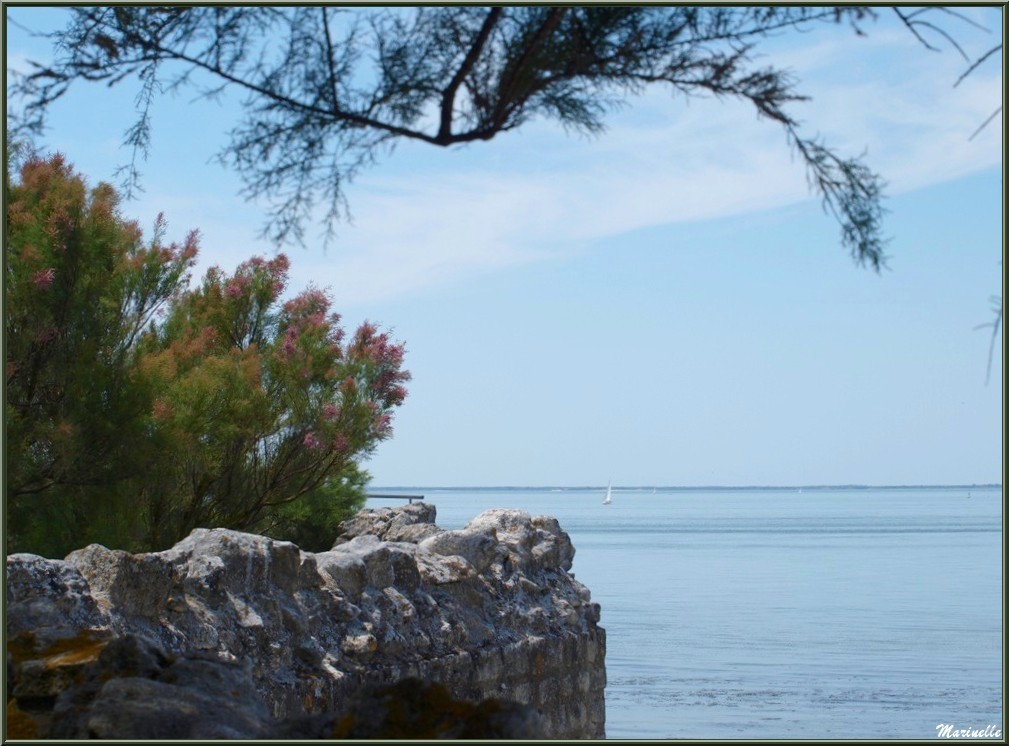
x=840, y=613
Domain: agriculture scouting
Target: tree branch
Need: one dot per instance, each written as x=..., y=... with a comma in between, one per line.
x=994, y=50
x=995, y=326
x=444, y=135
x=329, y=60
x=509, y=79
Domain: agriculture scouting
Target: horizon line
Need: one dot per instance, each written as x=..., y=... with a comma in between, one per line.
x=976, y=485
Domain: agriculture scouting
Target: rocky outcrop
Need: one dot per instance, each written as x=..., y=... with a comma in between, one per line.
x=134, y=690
x=490, y=612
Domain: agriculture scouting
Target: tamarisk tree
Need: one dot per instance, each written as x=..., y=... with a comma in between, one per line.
x=81, y=287
x=327, y=89
x=138, y=408
x=267, y=407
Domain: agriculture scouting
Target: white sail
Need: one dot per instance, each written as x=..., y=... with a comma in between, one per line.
x=609, y=495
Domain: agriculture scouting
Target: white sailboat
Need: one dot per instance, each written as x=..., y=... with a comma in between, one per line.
x=609, y=495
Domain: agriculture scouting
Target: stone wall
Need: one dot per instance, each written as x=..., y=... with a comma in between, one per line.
x=489, y=611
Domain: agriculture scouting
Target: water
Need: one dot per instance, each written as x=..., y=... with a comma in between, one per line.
x=827, y=613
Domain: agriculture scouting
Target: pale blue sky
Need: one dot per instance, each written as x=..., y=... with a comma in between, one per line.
x=665, y=304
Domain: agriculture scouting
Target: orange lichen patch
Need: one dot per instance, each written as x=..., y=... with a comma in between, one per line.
x=83, y=647
x=19, y=723
x=85, y=651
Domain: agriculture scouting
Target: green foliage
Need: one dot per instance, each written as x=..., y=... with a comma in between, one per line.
x=311, y=520
x=138, y=409
x=81, y=287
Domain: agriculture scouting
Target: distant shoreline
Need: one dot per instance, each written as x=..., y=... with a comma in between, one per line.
x=708, y=488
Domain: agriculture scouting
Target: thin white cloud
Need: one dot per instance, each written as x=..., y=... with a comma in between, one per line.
x=440, y=232
x=661, y=163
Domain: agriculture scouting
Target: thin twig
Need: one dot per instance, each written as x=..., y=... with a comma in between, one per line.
x=977, y=62
x=985, y=123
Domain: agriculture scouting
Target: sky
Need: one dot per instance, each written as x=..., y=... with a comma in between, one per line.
x=664, y=304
